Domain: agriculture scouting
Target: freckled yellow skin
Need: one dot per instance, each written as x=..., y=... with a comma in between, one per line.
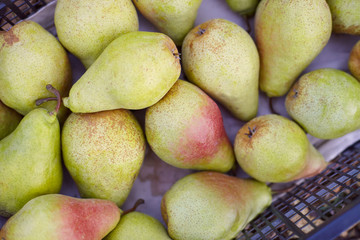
x=103, y=152
x=289, y=35
x=31, y=58
x=86, y=28
x=224, y=62
x=243, y=7
x=345, y=15
x=354, y=61
x=9, y=119
x=138, y=226
x=278, y=151
x=30, y=161
x=134, y=72
x=175, y=18
x=212, y=206
x=327, y=103
x=167, y=122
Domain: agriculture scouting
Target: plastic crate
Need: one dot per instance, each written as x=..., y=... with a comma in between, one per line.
x=320, y=207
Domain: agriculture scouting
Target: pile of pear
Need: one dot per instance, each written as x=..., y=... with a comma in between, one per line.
x=47, y=123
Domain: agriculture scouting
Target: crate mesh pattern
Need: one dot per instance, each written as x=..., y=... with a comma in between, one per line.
x=310, y=205
x=12, y=11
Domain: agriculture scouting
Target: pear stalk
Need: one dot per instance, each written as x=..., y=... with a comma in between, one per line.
x=137, y=203
x=53, y=90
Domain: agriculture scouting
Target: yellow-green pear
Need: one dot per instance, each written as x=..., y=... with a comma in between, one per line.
x=30, y=161
x=9, y=119
x=185, y=129
x=212, y=206
x=139, y=226
x=86, y=28
x=345, y=15
x=326, y=103
x=103, y=152
x=175, y=18
x=221, y=58
x=134, y=72
x=354, y=61
x=272, y=148
x=243, y=7
x=31, y=58
x=289, y=35
x=60, y=217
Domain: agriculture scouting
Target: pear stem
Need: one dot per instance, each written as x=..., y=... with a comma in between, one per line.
x=248, y=26
x=137, y=203
x=271, y=105
x=53, y=90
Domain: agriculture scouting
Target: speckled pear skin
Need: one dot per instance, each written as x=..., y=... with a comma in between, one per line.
x=276, y=150
x=345, y=15
x=354, y=61
x=139, y=226
x=60, y=217
x=31, y=58
x=221, y=58
x=243, y=7
x=175, y=18
x=134, y=72
x=86, y=28
x=9, y=119
x=289, y=35
x=185, y=129
x=326, y=103
x=30, y=161
x=212, y=206
x=103, y=152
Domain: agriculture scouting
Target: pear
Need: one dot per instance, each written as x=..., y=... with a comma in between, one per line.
x=103, y=152
x=174, y=18
x=30, y=160
x=354, y=61
x=272, y=148
x=326, y=103
x=59, y=217
x=9, y=119
x=214, y=206
x=345, y=15
x=289, y=35
x=139, y=226
x=30, y=58
x=134, y=72
x=243, y=7
x=221, y=58
x=185, y=129
x=86, y=28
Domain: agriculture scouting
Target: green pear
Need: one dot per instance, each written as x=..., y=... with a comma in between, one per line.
x=345, y=15
x=354, y=61
x=134, y=72
x=30, y=161
x=138, y=226
x=326, y=103
x=30, y=58
x=174, y=18
x=9, y=119
x=185, y=129
x=221, y=58
x=243, y=7
x=59, y=217
x=103, y=152
x=289, y=35
x=212, y=206
x=272, y=148
x=86, y=28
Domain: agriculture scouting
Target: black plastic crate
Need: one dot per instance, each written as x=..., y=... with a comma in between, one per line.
x=12, y=11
